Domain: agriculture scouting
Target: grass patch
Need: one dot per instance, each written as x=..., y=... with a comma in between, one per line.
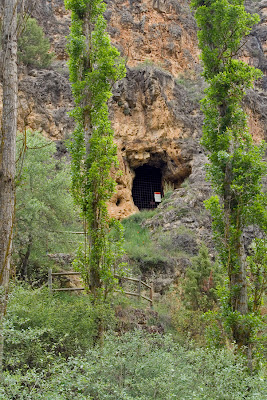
x=139, y=245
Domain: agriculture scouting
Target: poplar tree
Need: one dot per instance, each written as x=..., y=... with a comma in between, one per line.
x=7, y=151
x=95, y=65
x=235, y=163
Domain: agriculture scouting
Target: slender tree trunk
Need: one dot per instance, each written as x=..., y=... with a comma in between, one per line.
x=237, y=267
x=239, y=298
x=93, y=274
x=87, y=31
x=7, y=152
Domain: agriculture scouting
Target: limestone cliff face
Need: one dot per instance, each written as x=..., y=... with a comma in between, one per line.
x=158, y=31
x=156, y=123
x=154, y=110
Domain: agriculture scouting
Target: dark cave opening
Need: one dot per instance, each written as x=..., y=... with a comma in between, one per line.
x=147, y=187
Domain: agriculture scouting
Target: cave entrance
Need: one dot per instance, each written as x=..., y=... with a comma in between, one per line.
x=147, y=187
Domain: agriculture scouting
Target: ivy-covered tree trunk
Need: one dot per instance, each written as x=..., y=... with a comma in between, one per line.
x=94, y=67
x=7, y=151
x=236, y=166
x=236, y=264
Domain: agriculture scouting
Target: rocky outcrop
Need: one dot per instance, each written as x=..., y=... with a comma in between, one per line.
x=160, y=32
x=44, y=102
x=156, y=123
x=154, y=110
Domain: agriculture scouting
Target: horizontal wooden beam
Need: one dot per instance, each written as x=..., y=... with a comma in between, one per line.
x=131, y=294
x=128, y=278
x=65, y=273
x=72, y=233
x=67, y=289
x=145, y=284
x=146, y=298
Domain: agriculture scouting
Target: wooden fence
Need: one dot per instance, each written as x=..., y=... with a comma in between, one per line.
x=138, y=281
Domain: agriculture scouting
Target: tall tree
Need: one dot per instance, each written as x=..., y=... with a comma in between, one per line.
x=40, y=212
x=7, y=150
x=94, y=67
x=236, y=166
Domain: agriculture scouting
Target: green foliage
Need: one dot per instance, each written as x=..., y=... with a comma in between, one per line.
x=33, y=46
x=257, y=263
x=94, y=66
x=41, y=329
x=200, y=284
x=236, y=167
x=44, y=206
x=143, y=367
x=222, y=25
x=195, y=294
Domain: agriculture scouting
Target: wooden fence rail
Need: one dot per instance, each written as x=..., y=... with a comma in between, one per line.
x=124, y=278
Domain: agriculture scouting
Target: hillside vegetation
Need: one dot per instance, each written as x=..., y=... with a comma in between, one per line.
x=171, y=301
x=50, y=354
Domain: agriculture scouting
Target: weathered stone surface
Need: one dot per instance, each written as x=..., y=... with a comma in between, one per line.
x=155, y=123
x=45, y=100
x=154, y=110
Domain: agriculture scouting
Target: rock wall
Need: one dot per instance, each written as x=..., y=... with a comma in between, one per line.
x=154, y=110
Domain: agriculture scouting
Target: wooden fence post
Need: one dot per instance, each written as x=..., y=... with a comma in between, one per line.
x=139, y=288
x=151, y=295
x=50, y=280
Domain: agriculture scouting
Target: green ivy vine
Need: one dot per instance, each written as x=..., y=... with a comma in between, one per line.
x=95, y=65
x=235, y=163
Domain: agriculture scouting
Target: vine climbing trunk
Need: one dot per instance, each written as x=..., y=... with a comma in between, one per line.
x=95, y=65
x=236, y=262
x=87, y=122
x=7, y=152
x=236, y=167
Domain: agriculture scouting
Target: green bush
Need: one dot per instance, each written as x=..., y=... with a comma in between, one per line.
x=33, y=46
x=143, y=367
x=41, y=329
x=202, y=277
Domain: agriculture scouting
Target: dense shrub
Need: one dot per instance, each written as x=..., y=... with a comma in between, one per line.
x=33, y=46
x=41, y=328
x=143, y=367
x=202, y=277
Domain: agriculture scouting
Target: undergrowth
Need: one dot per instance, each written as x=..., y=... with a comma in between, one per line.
x=41, y=328
x=139, y=366
x=51, y=354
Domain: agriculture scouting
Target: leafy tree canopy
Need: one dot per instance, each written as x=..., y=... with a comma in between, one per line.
x=43, y=205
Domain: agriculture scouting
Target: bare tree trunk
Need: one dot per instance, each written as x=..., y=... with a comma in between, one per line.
x=7, y=152
x=238, y=285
